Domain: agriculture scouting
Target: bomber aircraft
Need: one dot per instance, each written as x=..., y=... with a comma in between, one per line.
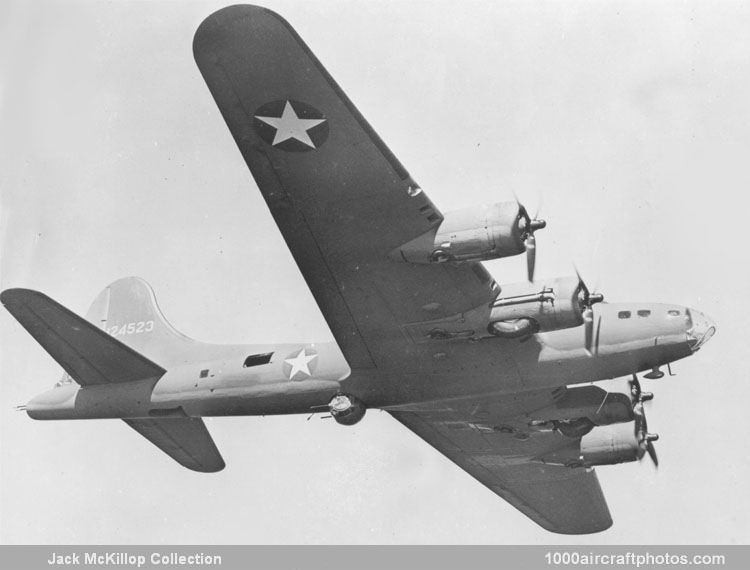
x=500, y=378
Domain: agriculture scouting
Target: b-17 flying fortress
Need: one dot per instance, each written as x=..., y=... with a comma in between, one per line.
x=497, y=377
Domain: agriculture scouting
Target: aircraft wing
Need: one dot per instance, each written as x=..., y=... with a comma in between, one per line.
x=87, y=353
x=186, y=440
x=341, y=199
x=500, y=454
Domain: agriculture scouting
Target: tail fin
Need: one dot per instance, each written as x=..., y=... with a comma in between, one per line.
x=128, y=311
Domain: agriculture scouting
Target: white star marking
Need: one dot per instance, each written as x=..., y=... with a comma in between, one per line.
x=300, y=363
x=290, y=126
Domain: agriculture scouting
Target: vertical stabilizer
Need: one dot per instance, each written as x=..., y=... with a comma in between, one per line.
x=128, y=311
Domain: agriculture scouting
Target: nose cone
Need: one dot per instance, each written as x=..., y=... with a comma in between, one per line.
x=702, y=328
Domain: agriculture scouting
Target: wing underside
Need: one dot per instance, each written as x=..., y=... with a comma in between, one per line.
x=186, y=440
x=343, y=203
x=340, y=198
x=560, y=499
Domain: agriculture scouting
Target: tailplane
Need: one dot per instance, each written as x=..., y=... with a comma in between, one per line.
x=86, y=353
x=127, y=311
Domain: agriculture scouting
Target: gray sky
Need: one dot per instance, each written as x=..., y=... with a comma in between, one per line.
x=628, y=122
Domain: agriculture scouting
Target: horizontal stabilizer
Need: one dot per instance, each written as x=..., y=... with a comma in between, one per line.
x=87, y=353
x=186, y=440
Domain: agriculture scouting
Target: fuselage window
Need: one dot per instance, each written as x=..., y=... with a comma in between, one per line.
x=623, y=315
x=644, y=313
x=257, y=359
x=673, y=313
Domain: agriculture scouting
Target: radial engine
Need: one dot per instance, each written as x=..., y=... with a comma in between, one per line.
x=614, y=443
x=476, y=233
x=523, y=309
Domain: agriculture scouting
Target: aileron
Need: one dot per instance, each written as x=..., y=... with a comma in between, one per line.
x=561, y=499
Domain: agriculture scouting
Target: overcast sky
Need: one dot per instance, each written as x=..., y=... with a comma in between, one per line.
x=628, y=122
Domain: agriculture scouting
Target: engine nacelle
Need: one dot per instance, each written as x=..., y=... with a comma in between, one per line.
x=603, y=445
x=522, y=309
x=609, y=445
x=472, y=234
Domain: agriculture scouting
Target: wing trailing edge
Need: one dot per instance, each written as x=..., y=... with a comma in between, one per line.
x=186, y=440
x=560, y=499
x=340, y=198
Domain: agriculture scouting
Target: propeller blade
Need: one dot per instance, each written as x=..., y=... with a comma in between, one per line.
x=636, y=394
x=635, y=389
x=586, y=300
x=530, y=256
x=584, y=289
x=526, y=228
x=645, y=440
x=538, y=208
x=598, y=330
x=641, y=427
x=588, y=323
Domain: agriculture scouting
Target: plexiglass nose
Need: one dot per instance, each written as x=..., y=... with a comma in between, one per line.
x=702, y=328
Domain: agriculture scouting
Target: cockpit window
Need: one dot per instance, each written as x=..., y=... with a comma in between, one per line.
x=673, y=313
x=623, y=315
x=644, y=313
x=257, y=359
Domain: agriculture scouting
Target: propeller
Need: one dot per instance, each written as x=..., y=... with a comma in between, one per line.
x=528, y=226
x=645, y=439
x=637, y=394
x=586, y=300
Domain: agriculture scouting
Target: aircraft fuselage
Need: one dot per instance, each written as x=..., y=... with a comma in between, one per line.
x=303, y=378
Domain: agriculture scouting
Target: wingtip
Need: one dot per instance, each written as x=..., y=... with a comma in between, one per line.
x=16, y=294
x=218, y=21
x=579, y=529
x=236, y=11
x=214, y=468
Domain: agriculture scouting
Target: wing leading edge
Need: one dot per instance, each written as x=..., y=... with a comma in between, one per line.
x=340, y=198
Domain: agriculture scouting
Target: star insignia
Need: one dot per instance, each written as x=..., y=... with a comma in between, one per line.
x=291, y=126
x=300, y=364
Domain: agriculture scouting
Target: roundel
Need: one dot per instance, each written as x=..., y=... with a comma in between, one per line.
x=300, y=364
x=291, y=125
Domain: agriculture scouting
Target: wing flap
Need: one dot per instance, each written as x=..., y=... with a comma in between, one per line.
x=88, y=354
x=186, y=440
x=560, y=499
